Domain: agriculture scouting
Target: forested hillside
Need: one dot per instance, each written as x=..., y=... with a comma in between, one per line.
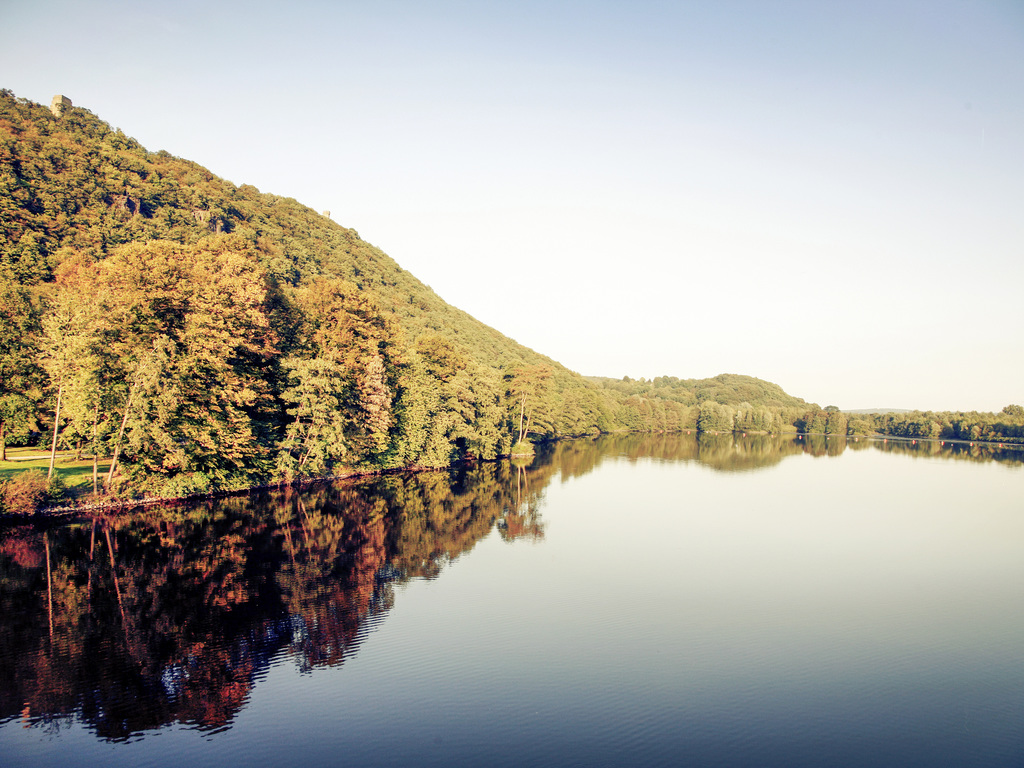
x=204, y=336
x=719, y=404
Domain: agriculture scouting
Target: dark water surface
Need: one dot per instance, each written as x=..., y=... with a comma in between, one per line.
x=624, y=601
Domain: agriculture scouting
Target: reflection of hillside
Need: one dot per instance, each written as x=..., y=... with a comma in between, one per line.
x=575, y=458
x=725, y=452
x=134, y=622
x=823, y=445
x=131, y=622
x=731, y=453
x=1007, y=454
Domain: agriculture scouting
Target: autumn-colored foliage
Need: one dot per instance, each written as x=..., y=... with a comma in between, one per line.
x=140, y=620
x=208, y=337
x=24, y=493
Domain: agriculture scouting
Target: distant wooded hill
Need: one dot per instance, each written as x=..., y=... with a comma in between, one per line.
x=207, y=336
x=871, y=411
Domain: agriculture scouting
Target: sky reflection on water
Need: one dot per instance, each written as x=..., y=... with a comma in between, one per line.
x=623, y=601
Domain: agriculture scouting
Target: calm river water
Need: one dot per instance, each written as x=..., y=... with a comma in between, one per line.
x=623, y=601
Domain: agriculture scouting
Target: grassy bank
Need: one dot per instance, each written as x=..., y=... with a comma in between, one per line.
x=76, y=474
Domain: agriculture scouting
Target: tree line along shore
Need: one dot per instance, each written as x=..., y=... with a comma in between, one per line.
x=201, y=337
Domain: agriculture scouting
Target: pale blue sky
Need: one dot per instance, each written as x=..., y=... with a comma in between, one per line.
x=827, y=195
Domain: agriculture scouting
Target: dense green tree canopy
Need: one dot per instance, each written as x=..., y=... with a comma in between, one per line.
x=207, y=336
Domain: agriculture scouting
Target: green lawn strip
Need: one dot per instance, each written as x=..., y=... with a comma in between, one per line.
x=76, y=474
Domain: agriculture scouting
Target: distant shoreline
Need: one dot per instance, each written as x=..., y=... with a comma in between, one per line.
x=114, y=505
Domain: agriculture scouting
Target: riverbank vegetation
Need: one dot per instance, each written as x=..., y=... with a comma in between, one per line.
x=204, y=337
x=192, y=336
x=1007, y=426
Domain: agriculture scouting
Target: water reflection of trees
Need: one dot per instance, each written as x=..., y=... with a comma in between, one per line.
x=823, y=445
x=134, y=621
x=1005, y=454
x=723, y=452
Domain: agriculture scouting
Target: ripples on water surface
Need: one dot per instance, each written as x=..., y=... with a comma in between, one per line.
x=637, y=600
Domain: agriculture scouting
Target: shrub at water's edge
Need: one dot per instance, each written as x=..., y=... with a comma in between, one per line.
x=522, y=448
x=26, y=492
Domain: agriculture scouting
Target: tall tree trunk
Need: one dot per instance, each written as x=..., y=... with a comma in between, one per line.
x=3, y=440
x=95, y=457
x=56, y=425
x=311, y=435
x=120, y=435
